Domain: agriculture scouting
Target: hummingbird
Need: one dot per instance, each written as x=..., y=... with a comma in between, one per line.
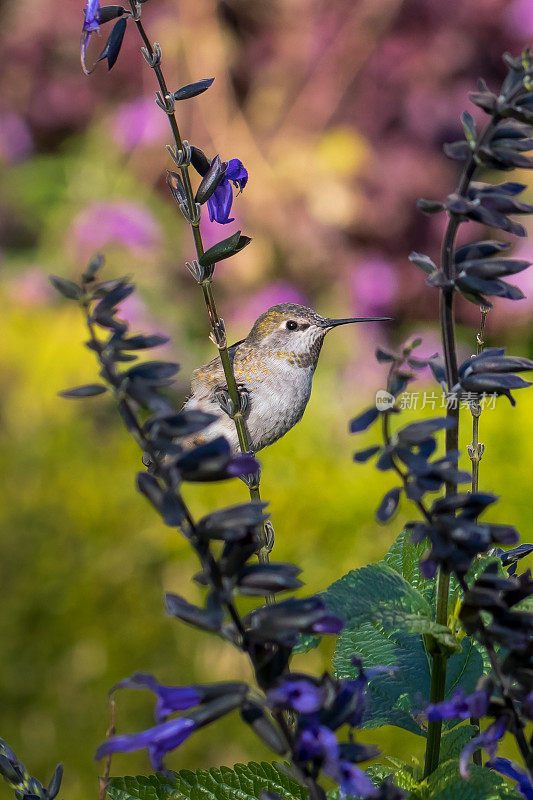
x=273, y=367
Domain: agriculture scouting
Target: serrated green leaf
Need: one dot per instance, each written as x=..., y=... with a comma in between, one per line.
x=401, y=772
x=354, y=595
x=453, y=742
x=149, y=787
x=391, y=619
x=373, y=600
x=446, y=784
x=224, y=249
x=242, y=782
x=405, y=557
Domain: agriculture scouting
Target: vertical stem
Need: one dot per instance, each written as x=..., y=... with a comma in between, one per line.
x=447, y=321
x=438, y=669
x=475, y=451
x=438, y=678
x=219, y=336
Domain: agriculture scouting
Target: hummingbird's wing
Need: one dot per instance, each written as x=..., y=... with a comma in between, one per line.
x=206, y=379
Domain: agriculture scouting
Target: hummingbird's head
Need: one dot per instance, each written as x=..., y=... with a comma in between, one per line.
x=296, y=332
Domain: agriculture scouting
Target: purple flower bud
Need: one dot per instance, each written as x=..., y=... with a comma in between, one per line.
x=170, y=698
x=460, y=706
x=91, y=23
x=351, y=779
x=300, y=694
x=317, y=742
x=488, y=739
x=328, y=623
x=92, y=16
x=512, y=770
x=243, y=464
x=159, y=740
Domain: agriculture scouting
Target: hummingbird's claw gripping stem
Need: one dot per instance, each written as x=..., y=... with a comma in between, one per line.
x=269, y=536
x=244, y=398
x=226, y=403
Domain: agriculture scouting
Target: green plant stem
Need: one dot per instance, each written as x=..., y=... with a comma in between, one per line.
x=438, y=667
x=475, y=451
x=218, y=330
x=438, y=678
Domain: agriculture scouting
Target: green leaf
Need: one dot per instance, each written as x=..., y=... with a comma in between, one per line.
x=381, y=610
x=358, y=592
x=416, y=623
x=242, y=782
x=149, y=787
x=224, y=249
x=401, y=773
x=404, y=557
x=446, y=784
x=453, y=742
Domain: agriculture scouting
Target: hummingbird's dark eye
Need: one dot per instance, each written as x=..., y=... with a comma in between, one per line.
x=291, y=325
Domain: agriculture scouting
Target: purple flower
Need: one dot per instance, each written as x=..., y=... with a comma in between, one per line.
x=170, y=698
x=159, y=740
x=328, y=623
x=92, y=16
x=138, y=123
x=219, y=204
x=374, y=285
x=512, y=770
x=317, y=742
x=460, y=706
x=122, y=222
x=519, y=19
x=242, y=464
x=300, y=694
x=16, y=141
x=351, y=779
x=91, y=23
x=488, y=739
x=270, y=295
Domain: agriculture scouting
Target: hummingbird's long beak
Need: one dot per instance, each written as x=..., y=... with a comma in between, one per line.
x=332, y=323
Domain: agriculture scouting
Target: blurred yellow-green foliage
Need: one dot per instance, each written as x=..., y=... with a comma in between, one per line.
x=85, y=562
x=339, y=110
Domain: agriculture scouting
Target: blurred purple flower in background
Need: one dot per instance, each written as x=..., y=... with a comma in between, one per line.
x=374, y=285
x=16, y=141
x=271, y=295
x=121, y=222
x=519, y=18
x=220, y=202
x=138, y=123
x=30, y=287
